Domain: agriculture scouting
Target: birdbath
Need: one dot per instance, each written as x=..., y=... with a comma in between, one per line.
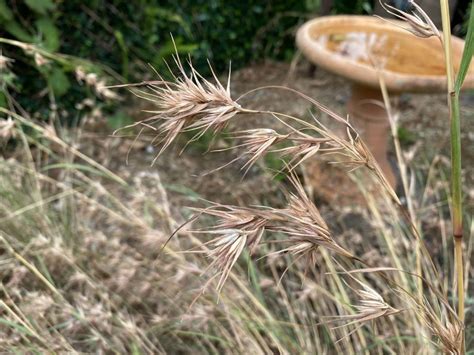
x=361, y=48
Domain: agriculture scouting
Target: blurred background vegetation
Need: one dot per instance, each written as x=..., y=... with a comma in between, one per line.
x=115, y=41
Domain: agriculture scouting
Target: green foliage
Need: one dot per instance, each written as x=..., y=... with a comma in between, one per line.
x=468, y=52
x=58, y=82
x=406, y=137
x=40, y=6
x=49, y=33
x=242, y=31
x=125, y=37
x=467, y=18
x=277, y=165
x=119, y=120
x=353, y=7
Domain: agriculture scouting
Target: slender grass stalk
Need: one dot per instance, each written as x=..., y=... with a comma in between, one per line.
x=403, y=175
x=456, y=183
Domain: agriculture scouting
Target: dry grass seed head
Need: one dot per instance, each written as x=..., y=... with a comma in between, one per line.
x=237, y=228
x=355, y=155
x=257, y=143
x=190, y=103
x=301, y=221
x=370, y=307
x=447, y=332
x=420, y=23
x=261, y=141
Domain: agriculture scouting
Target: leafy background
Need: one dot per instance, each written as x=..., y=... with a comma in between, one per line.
x=119, y=39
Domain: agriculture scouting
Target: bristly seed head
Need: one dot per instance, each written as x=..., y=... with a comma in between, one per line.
x=420, y=23
x=190, y=103
x=304, y=226
x=237, y=228
x=448, y=332
x=371, y=307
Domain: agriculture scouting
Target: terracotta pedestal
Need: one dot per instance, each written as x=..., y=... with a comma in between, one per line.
x=370, y=119
x=361, y=48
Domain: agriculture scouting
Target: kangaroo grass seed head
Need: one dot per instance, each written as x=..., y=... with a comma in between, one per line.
x=353, y=153
x=304, y=226
x=448, y=332
x=420, y=23
x=189, y=103
x=371, y=306
x=236, y=229
x=449, y=336
x=257, y=143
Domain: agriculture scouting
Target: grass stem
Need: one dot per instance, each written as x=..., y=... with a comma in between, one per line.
x=456, y=183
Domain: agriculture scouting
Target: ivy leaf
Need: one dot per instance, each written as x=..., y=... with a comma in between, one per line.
x=49, y=33
x=18, y=31
x=58, y=82
x=40, y=6
x=5, y=12
x=467, y=54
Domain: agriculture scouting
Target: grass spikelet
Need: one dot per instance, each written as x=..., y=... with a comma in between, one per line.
x=370, y=307
x=237, y=228
x=448, y=332
x=302, y=223
x=418, y=20
x=189, y=103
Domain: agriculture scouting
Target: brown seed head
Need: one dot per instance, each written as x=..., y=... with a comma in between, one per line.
x=304, y=226
x=237, y=228
x=420, y=23
x=190, y=103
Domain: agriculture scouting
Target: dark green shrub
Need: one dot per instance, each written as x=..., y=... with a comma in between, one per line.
x=119, y=38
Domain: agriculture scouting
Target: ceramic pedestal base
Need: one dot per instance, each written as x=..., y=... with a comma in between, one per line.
x=367, y=115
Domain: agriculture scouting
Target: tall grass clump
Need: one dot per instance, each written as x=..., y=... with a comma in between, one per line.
x=80, y=271
x=405, y=300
